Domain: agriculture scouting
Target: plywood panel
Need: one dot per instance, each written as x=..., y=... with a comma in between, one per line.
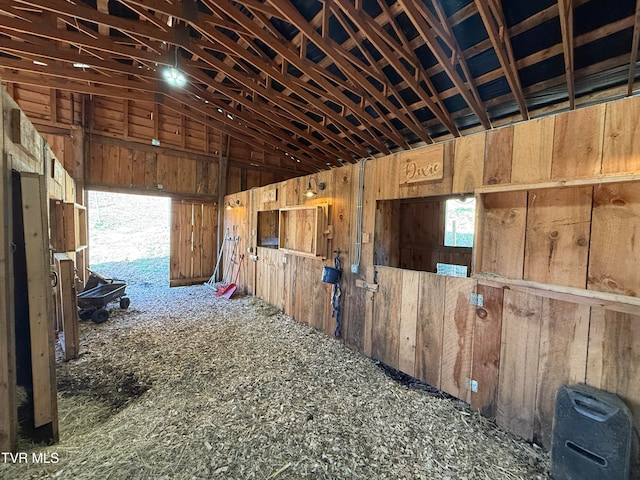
x=621, y=151
x=577, y=143
x=520, y=344
x=498, y=156
x=457, y=339
x=532, y=150
x=564, y=334
x=385, y=330
x=468, y=167
x=614, y=356
x=430, y=328
x=503, y=234
x=8, y=412
x=485, y=366
x=39, y=294
x=614, y=233
x=557, y=238
x=408, y=321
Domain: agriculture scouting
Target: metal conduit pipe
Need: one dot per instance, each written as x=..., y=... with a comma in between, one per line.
x=355, y=267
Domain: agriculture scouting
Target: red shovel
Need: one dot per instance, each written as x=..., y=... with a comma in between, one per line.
x=227, y=291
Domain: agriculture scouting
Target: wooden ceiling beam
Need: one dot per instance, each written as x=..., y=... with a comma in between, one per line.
x=177, y=106
x=81, y=11
x=242, y=55
x=357, y=78
x=330, y=91
x=412, y=58
x=634, y=50
x=116, y=66
x=412, y=122
x=323, y=78
x=267, y=93
x=151, y=85
x=420, y=17
x=565, y=10
x=493, y=19
x=266, y=111
x=35, y=27
x=382, y=41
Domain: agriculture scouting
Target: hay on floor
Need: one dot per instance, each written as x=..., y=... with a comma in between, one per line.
x=188, y=385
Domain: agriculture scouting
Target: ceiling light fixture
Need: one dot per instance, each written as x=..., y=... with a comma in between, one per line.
x=81, y=65
x=173, y=75
x=310, y=192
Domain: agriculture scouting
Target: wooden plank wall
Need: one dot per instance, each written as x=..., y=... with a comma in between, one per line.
x=8, y=409
x=40, y=301
x=138, y=122
x=551, y=235
x=193, y=245
x=23, y=152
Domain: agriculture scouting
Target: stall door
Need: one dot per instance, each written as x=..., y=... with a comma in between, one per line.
x=193, y=242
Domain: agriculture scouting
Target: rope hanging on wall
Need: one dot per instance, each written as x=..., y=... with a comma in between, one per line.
x=335, y=297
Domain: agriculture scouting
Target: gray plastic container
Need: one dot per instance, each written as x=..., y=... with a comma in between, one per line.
x=592, y=435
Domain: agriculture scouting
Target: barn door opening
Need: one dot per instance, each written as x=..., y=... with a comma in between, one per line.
x=193, y=242
x=129, y=237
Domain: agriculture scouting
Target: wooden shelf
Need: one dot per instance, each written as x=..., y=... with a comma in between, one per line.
x=573, y=182
x=614, y=301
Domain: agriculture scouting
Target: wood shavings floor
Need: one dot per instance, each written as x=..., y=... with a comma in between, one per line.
x=185, y=385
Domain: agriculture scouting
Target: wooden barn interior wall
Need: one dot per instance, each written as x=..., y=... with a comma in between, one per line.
x=35, y=182
x=105, y=144
x=124, y=129
x=558, y=212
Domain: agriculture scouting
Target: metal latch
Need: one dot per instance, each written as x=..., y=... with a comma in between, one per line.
x=476, y=299
x=471, y=385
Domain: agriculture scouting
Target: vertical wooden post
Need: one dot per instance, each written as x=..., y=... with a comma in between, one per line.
x=223, y=161
x=8, y=409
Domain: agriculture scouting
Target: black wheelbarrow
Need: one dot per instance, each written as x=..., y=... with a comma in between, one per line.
x=97, y=294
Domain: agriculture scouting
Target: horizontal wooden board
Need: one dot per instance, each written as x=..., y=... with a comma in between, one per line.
x=557, y=236
x=615, y=228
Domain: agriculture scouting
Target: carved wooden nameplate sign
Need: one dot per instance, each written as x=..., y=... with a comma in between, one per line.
x=423, y=165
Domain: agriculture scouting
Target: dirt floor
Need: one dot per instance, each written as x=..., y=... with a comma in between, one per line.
x=185, y=385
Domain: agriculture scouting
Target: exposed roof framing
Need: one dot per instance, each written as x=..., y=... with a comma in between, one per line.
x=565, y=8
x=330, y=81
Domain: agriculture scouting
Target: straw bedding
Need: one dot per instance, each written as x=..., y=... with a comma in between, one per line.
x=185, y=385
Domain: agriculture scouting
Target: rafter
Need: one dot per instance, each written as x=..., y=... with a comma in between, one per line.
x=634, y=50
x=295, y=18
x=493, y=19
x=565, y=8
x=413, y=123
x=324, y=80
x=419, y=15
x=116, y=66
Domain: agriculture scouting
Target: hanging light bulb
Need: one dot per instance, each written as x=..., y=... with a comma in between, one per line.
x=173, y=75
